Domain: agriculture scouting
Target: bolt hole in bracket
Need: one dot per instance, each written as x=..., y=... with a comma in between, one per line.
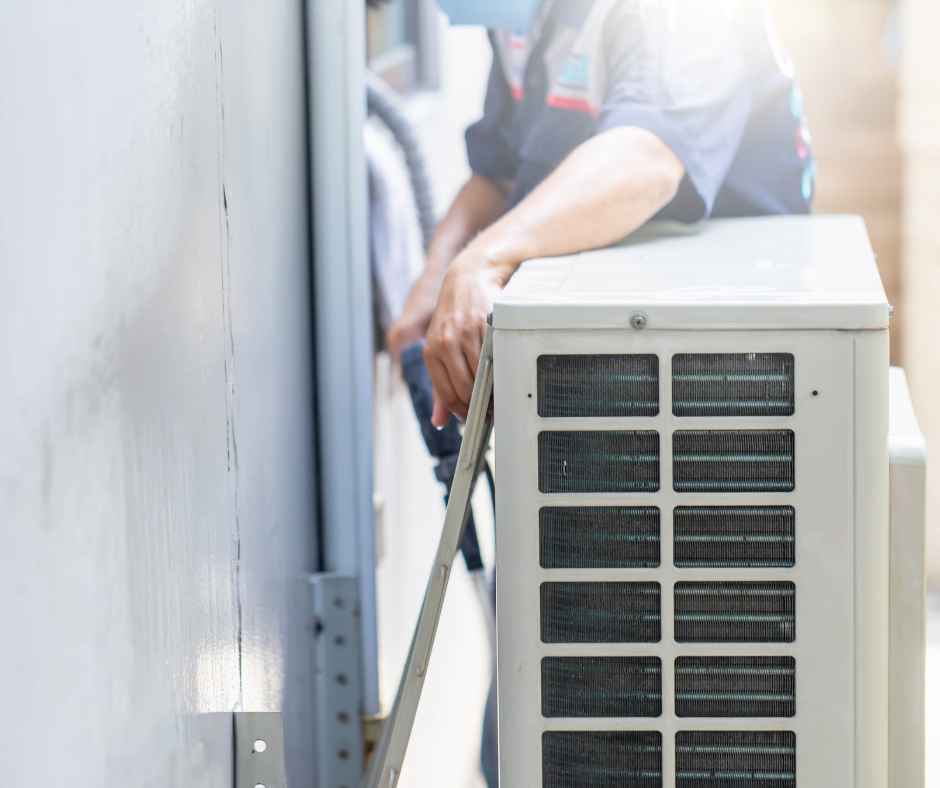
x=259, y=750
x=340, y=742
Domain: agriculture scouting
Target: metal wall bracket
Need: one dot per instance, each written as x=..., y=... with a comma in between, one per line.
x=259, y=750
x=337, y=657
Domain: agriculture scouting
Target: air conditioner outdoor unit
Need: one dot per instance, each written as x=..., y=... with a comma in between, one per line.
x=694, y=542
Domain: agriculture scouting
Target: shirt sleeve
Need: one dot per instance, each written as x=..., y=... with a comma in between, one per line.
x=488, y=144
x=678, y=69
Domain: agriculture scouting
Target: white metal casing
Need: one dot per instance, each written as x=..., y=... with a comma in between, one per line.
x=803, y=286
x=908, y=588
x=777, y=273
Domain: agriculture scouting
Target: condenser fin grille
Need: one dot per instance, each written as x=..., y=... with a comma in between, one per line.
x=602, y=759
x=600, y=386
x=600, y=612
x=734, y=536
x=732, y=384
x=735, y=759
x=735, y=687
x=584, y=462
x=602, y=687
x=732, y=461
x=735, y=612
x=599, y=537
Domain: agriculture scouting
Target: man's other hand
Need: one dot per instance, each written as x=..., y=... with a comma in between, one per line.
x=415, y=318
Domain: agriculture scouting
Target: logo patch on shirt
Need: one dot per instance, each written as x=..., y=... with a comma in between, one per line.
x=576, y=72
x=572, y=88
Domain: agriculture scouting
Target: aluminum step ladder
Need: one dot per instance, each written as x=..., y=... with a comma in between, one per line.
x=385, y=767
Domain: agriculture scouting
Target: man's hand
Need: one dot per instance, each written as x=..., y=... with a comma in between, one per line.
x=455, y=336
x=416, y=315
x=479, y=203
x=606, y=188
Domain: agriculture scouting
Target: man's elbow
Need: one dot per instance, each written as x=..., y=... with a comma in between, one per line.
x=666, y=171
x=653, y=166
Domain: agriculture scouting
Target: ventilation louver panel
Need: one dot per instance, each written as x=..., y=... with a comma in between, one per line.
x=722, y=759
x=602, y=687
x=735, y=612
x=605, y=386
x=605, y=461
x=600, y=612
x=733, y=461
x=734, y=536
x=732, y=384
x=602, y=759
x=735, y=687
x=599, y=537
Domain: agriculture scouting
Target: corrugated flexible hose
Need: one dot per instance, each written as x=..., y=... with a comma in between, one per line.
x=382, y=102
x=443, y=445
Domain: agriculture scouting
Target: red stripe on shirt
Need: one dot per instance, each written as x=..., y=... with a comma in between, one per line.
x=574, y=104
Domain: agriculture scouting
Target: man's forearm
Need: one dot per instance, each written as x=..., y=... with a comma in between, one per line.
x=607, y=188
x=479, y=203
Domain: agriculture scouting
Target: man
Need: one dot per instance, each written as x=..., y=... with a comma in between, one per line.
x=601, y=115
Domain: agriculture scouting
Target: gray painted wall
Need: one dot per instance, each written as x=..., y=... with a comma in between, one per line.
x=156, y=500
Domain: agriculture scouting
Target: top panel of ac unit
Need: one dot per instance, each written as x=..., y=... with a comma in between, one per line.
x=766, y=273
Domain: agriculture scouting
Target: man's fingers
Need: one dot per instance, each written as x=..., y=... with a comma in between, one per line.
x=452, y=355
x=461, y=376
x=444, y=394
x=440, y=415
x=450, y=371
x=472, y=344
